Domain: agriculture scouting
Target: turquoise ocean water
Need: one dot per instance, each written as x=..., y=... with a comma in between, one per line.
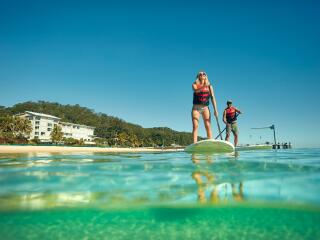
x=264, y=194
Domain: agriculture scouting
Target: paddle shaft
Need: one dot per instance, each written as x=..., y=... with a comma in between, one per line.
x=215, y=109
x=220, y=133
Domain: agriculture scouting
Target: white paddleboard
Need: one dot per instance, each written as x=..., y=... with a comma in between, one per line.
x=210, y=145
x=254, y=147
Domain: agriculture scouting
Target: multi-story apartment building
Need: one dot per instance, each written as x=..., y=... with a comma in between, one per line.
x=77, y=131
x=43, y=124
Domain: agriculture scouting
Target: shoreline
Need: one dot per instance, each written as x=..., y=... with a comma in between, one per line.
x=69, y=149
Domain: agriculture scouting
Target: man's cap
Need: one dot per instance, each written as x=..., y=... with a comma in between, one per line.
x=229, y=101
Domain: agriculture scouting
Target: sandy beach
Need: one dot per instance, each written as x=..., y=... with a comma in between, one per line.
x=63, y=149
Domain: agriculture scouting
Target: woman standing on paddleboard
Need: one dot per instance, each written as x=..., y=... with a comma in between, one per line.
x=202, y=92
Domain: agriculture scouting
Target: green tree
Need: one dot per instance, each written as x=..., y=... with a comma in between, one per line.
x=23, y=127
x=101, y=141
x=134, y=141
x=13, y=128
x=56, y=134
x=70, y=141
x=6, y=127
x=3, y=111
x=123, y=138
x=81, y=141
x=106, y=127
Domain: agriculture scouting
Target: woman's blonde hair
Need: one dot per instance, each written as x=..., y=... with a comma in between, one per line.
x=206, y=81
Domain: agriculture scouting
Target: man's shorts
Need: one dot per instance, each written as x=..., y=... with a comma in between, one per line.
x=232, y=127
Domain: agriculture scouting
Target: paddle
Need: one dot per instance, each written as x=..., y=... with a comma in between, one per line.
x=212, y=96
x=220, y=134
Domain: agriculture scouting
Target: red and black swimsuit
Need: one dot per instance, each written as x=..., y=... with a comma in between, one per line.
x=202, y=97
x=231, y=115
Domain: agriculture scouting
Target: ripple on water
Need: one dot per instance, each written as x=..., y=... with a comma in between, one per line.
x=285, y=176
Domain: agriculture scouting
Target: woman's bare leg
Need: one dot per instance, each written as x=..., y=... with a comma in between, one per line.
x=195, y=124
x=207, y=122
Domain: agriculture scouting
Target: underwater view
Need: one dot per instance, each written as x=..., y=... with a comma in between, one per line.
x=266, y=194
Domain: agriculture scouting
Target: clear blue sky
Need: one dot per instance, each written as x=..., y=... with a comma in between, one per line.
x=137, y=60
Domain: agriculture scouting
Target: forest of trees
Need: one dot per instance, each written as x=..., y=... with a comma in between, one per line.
x=109, y=130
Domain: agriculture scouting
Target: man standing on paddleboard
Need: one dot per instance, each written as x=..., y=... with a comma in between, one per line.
x=202, y=92
x=230, y=119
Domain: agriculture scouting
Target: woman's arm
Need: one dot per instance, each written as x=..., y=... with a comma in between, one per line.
x=197, y=88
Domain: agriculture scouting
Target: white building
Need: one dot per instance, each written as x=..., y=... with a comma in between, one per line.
x=42, y=126
x=77, y=131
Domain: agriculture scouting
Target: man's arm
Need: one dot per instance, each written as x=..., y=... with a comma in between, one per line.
x=224, y=119
x=238, y=111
